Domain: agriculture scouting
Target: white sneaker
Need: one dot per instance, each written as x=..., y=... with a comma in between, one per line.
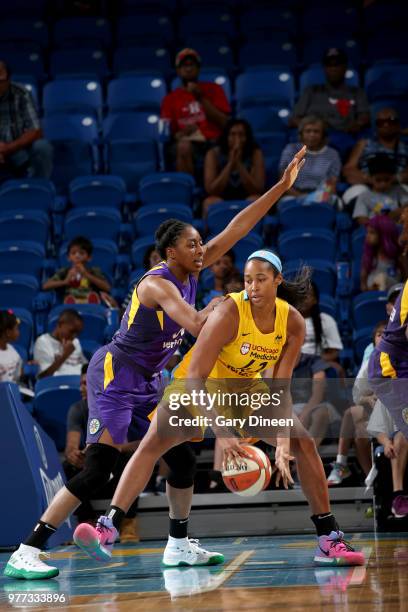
x=26, y=563
x=186, y=551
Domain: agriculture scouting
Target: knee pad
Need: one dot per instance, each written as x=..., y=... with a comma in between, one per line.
x=100, y=460
x=182, y=463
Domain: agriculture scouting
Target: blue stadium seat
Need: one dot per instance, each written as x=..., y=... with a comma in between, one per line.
x=89, y=347
x=266, y=118
x=21, y=256
x=142, y=59
x=305, y=245
x=24, y=7
x=324, y=273
x=71, y=127
x=148, y=218
x=265, y=87
x=255, y=21
x=139, y=248
x=361, y=339
x=104, y=255
x=89, y=62
x=387, y=46
x=327, y=304
x=270, y=53
x=153, y=28
x=315, y=47
x=74, y=30
x=98, y=222
x=53, y=397
x=271, y=143
x=213, y=76
x=390, y=79
x=322, y=18
x=94, y=316
x=25, y=62
x=131, y=126
x=314, y=75
x=216, y=54
x=244, y=247
x=23, y=30
x=293, y=214
x=146, y=7
x=72, y=158
x=357, y=245
x=170, y=187
x=77, y=96
x=26, y=328
x=101, y=190
x=135, y=276
x=221, y=213
x=369, y=308
x=203, y=22
x=131, y=160
x=136, y=93
x=17, y=290
x=27, y=194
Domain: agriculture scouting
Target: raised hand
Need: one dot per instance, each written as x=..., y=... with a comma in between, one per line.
x=291, y=173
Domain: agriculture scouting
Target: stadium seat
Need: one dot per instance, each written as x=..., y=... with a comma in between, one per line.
x=386, y=47
x=203, y=22
x=26, y=327
x=306, y=245
x=244, y=247
x=32, y=10
x=131, y=160
x=77, y=96
x=24, y=30
x=391, y=79
x=131, y=126
x=256, y=21
x=25, y=62
x=94, y=317
x=314, y=75
x=271, y=143
x=293, y=214
x=71, y=159
x=271, y=87
x=139, y=248
x=136, y=93
x=89, y=347
x=323, y=273
x=21, y=255
x=98, y=222
x=135, y=276
x=53, y=397
x=357, y=245
x=266, y=118
x=169, y=187
x=213, y=76
x=17, y=290
x=142, y=59
x=24, y=225
x=216, y=54
x=89, y=62
x=27, y=194
x=104, y=255
x=153, y=28
x=361, y=339
x=327, y=304
x=101, y=190
x=72, y=31
x=148, y=218
x=71, y=127
x=221, y=213
x=315, y=47
x=274, y=52
x=369, y=308
x=322, y=18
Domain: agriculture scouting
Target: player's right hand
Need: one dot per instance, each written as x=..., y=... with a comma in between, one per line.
x=233, y=450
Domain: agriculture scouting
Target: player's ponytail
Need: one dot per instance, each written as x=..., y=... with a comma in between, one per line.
x=167, y=235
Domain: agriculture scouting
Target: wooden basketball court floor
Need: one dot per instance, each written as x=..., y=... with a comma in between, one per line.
x=260, y=573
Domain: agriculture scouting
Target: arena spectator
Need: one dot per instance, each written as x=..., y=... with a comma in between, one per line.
x=235, y=168
x=322, y=163
x=222, y=270
x=322, y=334
x=382, y=264
x=59, y=352
x=381, y=426
x=10, y=361
x=344, y=107
x=383, y=196
x=386, y=141
x=197, y=112
x=392, y=295
x=23, y=151
x=353, y=430
x=79, y=284
x=234, y=283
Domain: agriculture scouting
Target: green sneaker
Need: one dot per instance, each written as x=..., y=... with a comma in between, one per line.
x=25, y=563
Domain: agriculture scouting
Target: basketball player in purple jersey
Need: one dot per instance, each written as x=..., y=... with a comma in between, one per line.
x=388, y=365
x=124, y=381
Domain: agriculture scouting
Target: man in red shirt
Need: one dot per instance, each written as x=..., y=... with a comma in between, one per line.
x=197, y=111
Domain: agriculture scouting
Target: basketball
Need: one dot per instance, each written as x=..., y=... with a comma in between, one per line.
x=252, y=475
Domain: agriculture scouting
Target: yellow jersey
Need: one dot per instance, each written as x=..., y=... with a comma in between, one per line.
x=251, y=351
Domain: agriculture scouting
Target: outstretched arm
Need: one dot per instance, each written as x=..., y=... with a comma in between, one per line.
x=249, y=217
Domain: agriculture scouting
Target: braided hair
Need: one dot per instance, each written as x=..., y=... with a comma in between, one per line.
x=167, y=234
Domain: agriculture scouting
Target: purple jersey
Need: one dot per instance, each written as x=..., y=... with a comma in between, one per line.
x=394, y=340
x=147, y=337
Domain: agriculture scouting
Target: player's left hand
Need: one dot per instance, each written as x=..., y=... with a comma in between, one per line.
x=291, y=173
x=282, y=467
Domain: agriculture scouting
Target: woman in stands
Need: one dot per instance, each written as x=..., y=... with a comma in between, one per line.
x=235, y=169
x=250, y=333
x=124, y=382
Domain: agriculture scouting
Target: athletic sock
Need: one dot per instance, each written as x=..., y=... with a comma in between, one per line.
x=116, y=515
x=342, y=459
x=40, y=534
x=178, y=528
x=396, y=493
x=324, y=523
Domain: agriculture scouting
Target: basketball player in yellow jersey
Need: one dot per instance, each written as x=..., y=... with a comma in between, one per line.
x=226, y=349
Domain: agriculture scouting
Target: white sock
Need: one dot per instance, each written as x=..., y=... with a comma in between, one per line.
x=177, y=541
x=342, y=459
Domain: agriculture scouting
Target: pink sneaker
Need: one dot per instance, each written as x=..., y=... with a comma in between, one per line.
x=97, y=542
x=333, y=550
